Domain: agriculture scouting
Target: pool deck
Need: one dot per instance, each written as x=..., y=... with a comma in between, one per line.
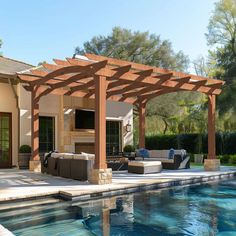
x=22, y=184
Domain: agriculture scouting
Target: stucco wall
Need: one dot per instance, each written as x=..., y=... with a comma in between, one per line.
x=8, y=104
x=48, y=106
x=122, y=111
x=51, y=105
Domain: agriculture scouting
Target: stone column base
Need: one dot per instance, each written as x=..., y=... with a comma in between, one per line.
x=35, y=166
x=100, y=176
x=212, y=164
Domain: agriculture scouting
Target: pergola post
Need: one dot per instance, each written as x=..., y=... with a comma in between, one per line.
x=100, y=174
x=35, y=164
x=142, y=111
x=211, y=163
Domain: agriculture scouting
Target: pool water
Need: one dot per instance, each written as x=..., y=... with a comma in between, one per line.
x=208, y=209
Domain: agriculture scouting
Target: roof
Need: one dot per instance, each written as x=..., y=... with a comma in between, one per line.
x=10, y=66
x=125, y=81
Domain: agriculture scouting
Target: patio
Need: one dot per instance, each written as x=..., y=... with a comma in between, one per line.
x=22, y=184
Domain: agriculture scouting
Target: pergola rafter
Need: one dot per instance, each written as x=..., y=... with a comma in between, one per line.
x=102, y=78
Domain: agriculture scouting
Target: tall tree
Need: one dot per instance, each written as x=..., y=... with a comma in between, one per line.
x=140, y=47
x=222, y=37
x=0, y=46
x=145, y=48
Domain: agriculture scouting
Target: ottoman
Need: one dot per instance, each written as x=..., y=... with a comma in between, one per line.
x=144, y=167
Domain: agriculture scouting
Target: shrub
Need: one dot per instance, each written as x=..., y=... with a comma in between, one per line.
x=161, y=142
x=194, y=143
x=129, y=148
x=233, y=159
x=25, y=149
x=224, y=159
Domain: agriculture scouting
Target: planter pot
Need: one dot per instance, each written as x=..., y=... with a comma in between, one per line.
x=23, y=160
x=198, y=158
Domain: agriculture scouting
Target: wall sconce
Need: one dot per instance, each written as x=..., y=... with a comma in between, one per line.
x=128, y=127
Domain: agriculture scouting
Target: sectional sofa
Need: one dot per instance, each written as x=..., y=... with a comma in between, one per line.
x=180, y=156
x=68, y=165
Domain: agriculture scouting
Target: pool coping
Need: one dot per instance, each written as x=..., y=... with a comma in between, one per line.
x=121, y=188
x=141, y=187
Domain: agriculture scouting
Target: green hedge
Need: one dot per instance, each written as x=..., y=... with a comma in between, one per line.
x=193, y=143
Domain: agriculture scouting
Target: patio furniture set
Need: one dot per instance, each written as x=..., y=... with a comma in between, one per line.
x=78, y=166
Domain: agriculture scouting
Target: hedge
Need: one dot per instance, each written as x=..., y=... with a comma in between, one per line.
x=193, y=143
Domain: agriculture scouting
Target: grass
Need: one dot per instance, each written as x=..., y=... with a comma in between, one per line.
x=201, y=164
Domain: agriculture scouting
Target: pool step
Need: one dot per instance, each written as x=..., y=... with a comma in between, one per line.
x=28, y=203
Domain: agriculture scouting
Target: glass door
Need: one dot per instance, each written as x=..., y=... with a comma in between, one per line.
x=5, y=140
x=46, y=134
x=113, y=137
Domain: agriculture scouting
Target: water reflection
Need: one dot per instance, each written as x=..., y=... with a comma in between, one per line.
x=179, y=211
x=197, y=210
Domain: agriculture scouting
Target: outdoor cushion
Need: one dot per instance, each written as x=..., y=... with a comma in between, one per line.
x=143, y=152
x=89, y=155
x=166, y=160
x=68, y=155
x=171, y=153
x=80, y=156
x=56, y=155
x=144, y=163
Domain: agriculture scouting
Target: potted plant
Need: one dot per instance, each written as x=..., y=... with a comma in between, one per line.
x=198, y=157
x=24, y=156
x=128, y=151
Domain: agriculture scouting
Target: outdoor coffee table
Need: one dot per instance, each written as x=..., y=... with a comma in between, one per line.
x=144, y=167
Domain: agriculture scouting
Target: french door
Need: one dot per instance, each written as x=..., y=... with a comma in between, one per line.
x=113, y=137
x=46, y=134
x=5, y=140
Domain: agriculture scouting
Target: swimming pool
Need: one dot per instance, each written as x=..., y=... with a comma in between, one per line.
x=208, y=209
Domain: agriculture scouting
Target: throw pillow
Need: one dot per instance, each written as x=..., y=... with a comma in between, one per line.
x=171, y=154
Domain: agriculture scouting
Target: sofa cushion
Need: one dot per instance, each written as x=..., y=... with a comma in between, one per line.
x=166, y=160
x=57, y=154
x=68, y=155
x=80, y=157
x=144, y=163
x=88, y=155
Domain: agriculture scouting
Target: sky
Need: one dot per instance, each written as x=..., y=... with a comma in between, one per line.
x=40, y=30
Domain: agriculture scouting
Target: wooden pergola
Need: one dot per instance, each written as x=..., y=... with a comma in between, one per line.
x=102, y=78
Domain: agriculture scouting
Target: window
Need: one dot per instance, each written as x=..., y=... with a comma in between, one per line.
x=46, y=134
x=113, y=137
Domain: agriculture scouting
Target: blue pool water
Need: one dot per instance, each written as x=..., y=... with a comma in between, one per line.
x=208, y=209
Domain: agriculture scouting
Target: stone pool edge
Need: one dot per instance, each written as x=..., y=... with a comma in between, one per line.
x=141, y=187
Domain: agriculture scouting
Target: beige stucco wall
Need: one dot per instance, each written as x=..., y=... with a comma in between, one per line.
x=48, y=106
x=8, y=104
x=62, y=108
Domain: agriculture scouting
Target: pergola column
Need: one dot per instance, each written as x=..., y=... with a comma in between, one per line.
x=35, y=164
x=100, y=174
x=211, y=163
x=142, y=111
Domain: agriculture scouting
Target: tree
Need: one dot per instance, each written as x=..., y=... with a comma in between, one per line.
x=140, y=47
x=164, y=112
x=222, y=37
x=0, y=46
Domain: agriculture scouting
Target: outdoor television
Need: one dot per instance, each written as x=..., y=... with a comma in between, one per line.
x=84, y=119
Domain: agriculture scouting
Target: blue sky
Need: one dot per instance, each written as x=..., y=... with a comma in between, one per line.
x=40, y=30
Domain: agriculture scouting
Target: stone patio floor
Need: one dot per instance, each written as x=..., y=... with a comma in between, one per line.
x=20, y=184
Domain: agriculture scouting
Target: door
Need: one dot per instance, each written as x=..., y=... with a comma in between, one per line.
x=113, y=137
x=46, y=134
x=5, y=140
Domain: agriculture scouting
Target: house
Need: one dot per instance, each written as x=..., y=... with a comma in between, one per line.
x=66, y=123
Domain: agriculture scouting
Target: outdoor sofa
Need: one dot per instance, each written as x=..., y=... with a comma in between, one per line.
x=68, y=165
x=174, y=163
